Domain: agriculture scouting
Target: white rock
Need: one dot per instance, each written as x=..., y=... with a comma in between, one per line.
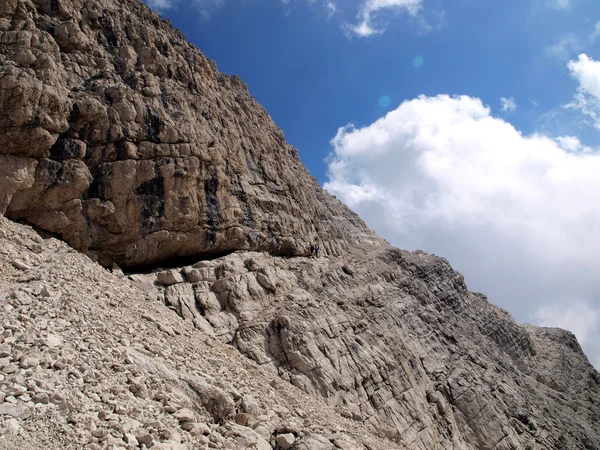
x=131, y=439
x=12, y=425
x=169, y=277
x=185, y=415
x=53, y=340
x=285, y=441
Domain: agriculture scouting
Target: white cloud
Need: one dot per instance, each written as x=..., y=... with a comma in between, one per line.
x=206, y=8
x=161, y=5
x=596, y=33
x=508, y=104
x=559, y=4
x=587, y=100
x=516, y=214
x=574, y=316
x=582, y=319
x=587, y=72
x=566, y=46
x=372, y=10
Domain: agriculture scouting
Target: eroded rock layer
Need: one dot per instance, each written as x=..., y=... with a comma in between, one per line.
x=89, y=360
x=122, y=138
x=125, y=141
x=396, y=340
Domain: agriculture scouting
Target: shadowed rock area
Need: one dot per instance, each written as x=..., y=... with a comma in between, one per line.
x=122, y=139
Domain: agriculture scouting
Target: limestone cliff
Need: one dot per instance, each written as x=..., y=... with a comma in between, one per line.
x=122, y=139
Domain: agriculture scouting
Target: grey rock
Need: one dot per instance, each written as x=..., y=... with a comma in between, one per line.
x=12, y=426
x=145, y=439
x=169, y=277
x=185, y=415
x=124, y=140
x=17, y=411
x=313, y=442
x=285, y=441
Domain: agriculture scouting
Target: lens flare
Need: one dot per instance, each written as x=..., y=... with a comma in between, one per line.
x=418, y=61
x=384, y=101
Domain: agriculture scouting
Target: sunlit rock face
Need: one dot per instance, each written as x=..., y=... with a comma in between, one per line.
x=125, y=140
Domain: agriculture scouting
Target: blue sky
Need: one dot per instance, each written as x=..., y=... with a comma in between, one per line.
x=487, y=153
x=313, y=79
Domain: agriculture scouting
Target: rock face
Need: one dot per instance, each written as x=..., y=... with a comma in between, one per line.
x=89, y=360
x=126, y=141
x=396, y=340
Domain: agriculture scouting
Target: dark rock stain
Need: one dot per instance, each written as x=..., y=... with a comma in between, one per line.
x=99, y=186
x=211, y=187
x=153, y=126
x=151, y=196
x=65, y=148
x=238, y=191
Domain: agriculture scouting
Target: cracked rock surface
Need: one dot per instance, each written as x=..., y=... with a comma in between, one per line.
x=394, y=339
x=125, y=140
x=90, y=360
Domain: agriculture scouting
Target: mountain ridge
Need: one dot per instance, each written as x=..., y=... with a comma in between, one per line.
x=120, y=137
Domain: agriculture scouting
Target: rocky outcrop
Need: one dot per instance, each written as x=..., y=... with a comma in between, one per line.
x=126, y=141
x=374, y=351
x=396, y=340
x=89, y=361
x=122, y=139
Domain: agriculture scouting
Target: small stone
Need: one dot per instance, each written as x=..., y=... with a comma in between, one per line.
x=29, y=362
x=200, y=429
x=116, y=270
x=45, y=292
x=250, y=405
x=12, y=426
x=166, y=329
x=192, y=275
x=14, y=410
x=56, y=398
x=52, y=340
x=185, y=415
x=203, y=325
x=20, y=265
x=285, y=441
x=41, y=397
x=131, y=440
x=100, y=433
x=59, y=365
x=242, y=419
x=145, y=439
x=5, y=350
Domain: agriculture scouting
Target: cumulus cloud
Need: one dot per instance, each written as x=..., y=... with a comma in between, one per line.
x=161, y=5
x=371, y=12
x=508, y=104
x=587, y=100
x=517, y=214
